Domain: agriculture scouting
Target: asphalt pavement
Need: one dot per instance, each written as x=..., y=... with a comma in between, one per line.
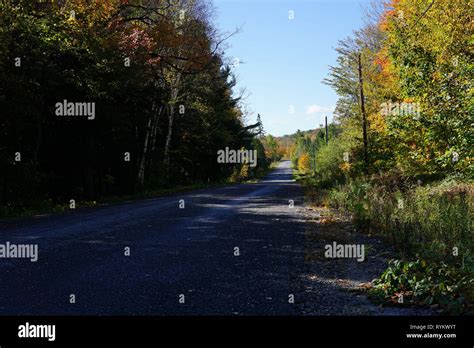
x=231, y=250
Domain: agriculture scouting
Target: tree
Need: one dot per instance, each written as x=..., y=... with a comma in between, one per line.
x=304, y=163
x=272, y=146
x=163, y=99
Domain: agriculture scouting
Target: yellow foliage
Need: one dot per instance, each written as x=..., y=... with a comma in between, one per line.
x=304, y=163
x=377, y=123
x=244, y=172
x=345, y=167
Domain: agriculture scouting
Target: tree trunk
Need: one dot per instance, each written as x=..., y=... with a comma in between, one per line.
x=155, y=128
x=39, y=139
x=141, y=167
x=364, y=118
x=150, y=137
x=174, y=97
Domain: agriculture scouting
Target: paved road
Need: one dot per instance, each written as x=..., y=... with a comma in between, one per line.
x=173, y=251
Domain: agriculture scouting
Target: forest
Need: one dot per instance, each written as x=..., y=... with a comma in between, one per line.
x=156, y=77
x=399, y=157
x=104, y=100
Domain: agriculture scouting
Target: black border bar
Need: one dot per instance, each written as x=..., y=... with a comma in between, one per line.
x=135, y=330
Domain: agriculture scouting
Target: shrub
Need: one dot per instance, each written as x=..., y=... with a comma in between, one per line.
x=304, y=164
x=431, y=224
x=420, y=282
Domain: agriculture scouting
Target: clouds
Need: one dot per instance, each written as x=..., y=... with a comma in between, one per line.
x=315, y=108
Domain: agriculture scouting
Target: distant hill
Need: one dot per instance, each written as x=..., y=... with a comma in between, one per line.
x=288, y=140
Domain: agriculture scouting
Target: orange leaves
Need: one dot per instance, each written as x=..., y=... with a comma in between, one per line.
x=304, y=163
x=382, y=59
x=390, y=11
x=345, y=167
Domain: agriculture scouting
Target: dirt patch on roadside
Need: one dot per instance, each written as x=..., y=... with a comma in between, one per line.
x=338, y=284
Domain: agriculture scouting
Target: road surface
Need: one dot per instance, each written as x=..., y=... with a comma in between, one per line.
x=232, y=250
x=249, y=249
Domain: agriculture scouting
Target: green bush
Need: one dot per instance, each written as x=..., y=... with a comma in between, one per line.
x=415, y=219
x=431, y=224
x=420, y=282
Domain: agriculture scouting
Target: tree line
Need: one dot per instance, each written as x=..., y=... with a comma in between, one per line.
x=160, y=83
x=401, y=158
x=405, y=79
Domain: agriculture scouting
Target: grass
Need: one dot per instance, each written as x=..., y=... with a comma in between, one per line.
x=431, y=228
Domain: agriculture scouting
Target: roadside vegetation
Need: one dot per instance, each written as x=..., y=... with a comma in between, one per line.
x=399, y=158
x=163, y=93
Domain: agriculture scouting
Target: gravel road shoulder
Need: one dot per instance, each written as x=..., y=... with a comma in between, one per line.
x=336, y=286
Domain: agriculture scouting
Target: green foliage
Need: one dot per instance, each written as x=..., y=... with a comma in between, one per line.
x=424, y=283
x=417, y=191
x=139, y=107
x=432, y=61
x=340, y=158
x=272, y=147
x=433, y=224
x=412, y=218
x=311, y=145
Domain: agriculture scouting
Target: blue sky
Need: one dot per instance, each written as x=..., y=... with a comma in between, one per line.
x=283, y=60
